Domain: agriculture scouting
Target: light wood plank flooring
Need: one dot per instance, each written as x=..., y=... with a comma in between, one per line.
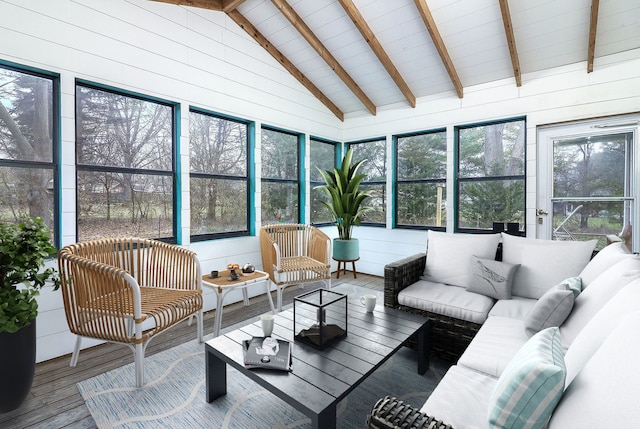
x=54, y=401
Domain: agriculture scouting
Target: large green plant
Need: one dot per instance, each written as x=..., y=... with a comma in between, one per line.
x=23, y=250
x=342, y=186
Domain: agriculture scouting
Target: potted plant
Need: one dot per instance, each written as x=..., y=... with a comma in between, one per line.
x=345, y=205
x=23, y=250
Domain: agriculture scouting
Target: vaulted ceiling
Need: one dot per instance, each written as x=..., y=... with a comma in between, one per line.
x=357, y=56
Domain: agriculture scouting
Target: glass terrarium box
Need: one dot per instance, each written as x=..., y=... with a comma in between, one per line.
x=320, y=317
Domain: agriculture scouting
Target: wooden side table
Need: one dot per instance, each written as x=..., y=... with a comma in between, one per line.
x=343, y=262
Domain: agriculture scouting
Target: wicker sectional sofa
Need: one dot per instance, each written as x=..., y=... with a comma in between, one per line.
x=576, y=371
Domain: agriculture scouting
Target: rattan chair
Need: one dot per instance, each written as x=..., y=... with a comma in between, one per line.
x=295, y=254
x=127, y=290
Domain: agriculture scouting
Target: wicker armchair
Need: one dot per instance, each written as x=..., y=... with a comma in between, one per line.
x=295, y=254
x=127, y=290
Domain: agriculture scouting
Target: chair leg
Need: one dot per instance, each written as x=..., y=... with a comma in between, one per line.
x=138, y=357
x=199, y=321
x=76, y=352
x=279, y=291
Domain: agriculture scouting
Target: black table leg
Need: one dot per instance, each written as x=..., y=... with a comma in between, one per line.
x=424, y=343
x=326, y=419
x=216, y=376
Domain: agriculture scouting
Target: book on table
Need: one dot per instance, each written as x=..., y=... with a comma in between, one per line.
x=267, y=352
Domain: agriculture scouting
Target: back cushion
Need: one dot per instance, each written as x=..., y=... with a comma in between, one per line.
x=605, y=393
x=449, y=255
x=597, y=294
x=604, y=259
x=543, y=263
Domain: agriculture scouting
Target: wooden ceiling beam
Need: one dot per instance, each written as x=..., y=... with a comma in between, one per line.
x=244, y=23
x=229, y=5
x=371, y=39
x=430, y=23
x=203, y=4
x=595, y=5
x=304, y=30
x=511, y=41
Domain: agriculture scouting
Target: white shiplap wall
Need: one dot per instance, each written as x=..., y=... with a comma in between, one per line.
x=199, y=57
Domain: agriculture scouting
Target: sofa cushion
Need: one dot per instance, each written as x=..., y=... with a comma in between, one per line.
x=491, y=278
x=554, y=307
x=597, y=294
x=532, y=384
x=516, y=308
x=600, y=326
x=543, y=263
x=461, y=398
x=453, y=301
x=449, y=255
x=494, y=346
x=604, y=259
x=605, y=392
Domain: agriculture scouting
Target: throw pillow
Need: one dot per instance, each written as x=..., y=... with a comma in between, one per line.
x=491, y=278
x=449, y=255
x=553, y=307
x=544, y=263
x=531, y=385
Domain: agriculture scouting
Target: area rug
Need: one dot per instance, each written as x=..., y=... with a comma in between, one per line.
x=174, y=394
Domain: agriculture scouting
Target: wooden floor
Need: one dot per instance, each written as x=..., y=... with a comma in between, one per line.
x=54, y=401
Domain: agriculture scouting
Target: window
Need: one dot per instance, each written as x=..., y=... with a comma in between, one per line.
x=490, y=179
x=375, y=170
x=219, y=180
x=125, y=146
x=322, y=154
x=280, y=176
x=29, y=120
x=421, y=176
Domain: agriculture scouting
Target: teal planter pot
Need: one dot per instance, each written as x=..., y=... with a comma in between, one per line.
x=346, y=250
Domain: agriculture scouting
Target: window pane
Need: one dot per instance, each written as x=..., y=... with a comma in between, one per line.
x=217, y=145
x=279, y=155
x=422, y=156
x=422, y=204
x=378, y=202
x=588, y=220
x=118, y=204
x=322, y=156
x=483, y=202
x=279, y=203
x=218, y=205
x=375, y=153
x=319, y=212
x=26, y=122
x=590, y=166
x=26, y=192
x=122, y=131
x=492, y=150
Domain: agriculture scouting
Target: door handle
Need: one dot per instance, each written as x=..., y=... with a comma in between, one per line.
x=542, y=212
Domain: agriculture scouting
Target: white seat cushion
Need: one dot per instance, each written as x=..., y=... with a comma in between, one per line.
x=448, y=300
x=516, y=308
x=461, y=399
x=543, y=263
x=605, y=392
x=495, y=344
x=604, y=259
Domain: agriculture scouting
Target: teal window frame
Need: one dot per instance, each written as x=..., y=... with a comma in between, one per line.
x=314, y=183
x=351, y=144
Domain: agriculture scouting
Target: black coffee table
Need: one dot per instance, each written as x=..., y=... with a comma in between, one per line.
x=321, y=379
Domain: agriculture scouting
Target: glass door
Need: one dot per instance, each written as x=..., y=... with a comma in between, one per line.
x=587, y=179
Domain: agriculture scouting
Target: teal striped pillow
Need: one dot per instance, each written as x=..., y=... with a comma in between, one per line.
x=531, y=385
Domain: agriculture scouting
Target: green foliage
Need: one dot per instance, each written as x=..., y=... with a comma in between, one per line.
x=23, y=250
x=342, y=186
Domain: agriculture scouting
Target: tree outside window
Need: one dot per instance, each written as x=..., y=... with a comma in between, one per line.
x=280, y=178
x=375, y=170
x=219, y=181
x=124, y=165
x=28, y=137
x=322, y=155
x=421, y=175
x=490, y=175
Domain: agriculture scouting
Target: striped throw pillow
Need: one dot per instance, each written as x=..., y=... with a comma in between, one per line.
x=531, y=385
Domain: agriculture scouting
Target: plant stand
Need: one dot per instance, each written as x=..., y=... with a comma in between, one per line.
x=343, y=262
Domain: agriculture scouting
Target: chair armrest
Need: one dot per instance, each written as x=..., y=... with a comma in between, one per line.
x=391, y=413
x=400, y=274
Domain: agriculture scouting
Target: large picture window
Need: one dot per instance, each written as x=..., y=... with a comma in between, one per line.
x=219, y=181
x=375, y=171
x=322, y=155
x=491, y=175
x=421, y=176
x=125, y=146
x=280, y=176
x=28, y=140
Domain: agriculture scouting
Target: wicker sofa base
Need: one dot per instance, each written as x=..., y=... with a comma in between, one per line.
x=391, y=413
